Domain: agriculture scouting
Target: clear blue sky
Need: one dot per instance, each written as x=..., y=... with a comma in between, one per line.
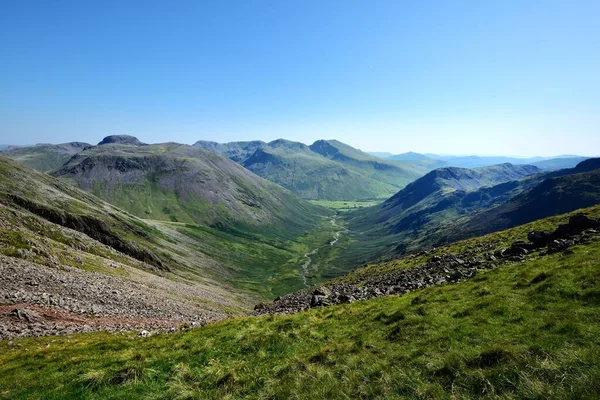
x=463, y=77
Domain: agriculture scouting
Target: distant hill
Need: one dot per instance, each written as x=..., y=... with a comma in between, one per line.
x=44, y=157
x=561, y=192
x=559, y=163
x=438, y=161
x=380, y=154
x=176, y=182
x=325, y=170
x=449, y=204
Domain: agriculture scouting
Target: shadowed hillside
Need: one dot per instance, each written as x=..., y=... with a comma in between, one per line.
x=451, y=203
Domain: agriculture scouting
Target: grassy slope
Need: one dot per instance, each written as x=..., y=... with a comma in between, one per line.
x=181, y=183
x=326, y=170
x=264, y=261
x=525, y=330
x=255, y=230
x=44, y=157
x=410, y=220
x=48, y=222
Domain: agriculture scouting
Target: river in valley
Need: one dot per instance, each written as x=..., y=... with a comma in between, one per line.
x=308, y=263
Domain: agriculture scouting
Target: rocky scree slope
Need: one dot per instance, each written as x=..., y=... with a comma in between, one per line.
x=65, y=250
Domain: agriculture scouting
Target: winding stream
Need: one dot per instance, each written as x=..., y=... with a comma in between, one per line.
x=309, y=256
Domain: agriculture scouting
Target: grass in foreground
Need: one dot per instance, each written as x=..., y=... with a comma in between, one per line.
x=526, y=330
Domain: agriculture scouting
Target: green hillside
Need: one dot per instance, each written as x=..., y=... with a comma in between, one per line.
x=526, y=329
x=409, y=220
x=78, y=242
x=44, y=157
x=241, y=258
x=180, y=183
x=325, y=170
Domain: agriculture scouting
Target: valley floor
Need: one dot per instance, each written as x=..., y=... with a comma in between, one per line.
x=527, y=329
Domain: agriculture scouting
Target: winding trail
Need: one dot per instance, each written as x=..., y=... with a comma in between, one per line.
x=309, y=256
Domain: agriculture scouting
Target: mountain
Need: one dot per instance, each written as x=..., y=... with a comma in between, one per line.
x=65, y=248
x=380, y=154
x=449, y=204
x=472, y=326
x=326, y=170
x=559, y=163
x=254, y=229
x=567, y=190
x=121, y=139
x=3, y=146
x=44, y=157
x=180, y=183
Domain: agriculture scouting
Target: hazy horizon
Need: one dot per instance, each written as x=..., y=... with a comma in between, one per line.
x=500, y=78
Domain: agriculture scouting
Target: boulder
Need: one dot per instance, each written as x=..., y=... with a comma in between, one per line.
x=539, y=238
x=582, y=221
x=27, y=315
x=346, y=298
x=318, y=301
x=514, y=251
x=322, y=291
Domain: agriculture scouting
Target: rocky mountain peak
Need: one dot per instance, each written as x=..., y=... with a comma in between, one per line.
x=121, y=139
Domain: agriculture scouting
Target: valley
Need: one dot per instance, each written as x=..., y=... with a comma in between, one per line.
x=300, y=200
x=494, y=332
x=312, y=255
x=171, y=248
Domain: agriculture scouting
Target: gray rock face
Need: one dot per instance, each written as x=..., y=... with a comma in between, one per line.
x=121, y=139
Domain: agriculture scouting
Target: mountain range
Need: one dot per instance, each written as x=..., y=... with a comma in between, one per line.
x=452, y=203
x=545, y=163
x=457, y=279
x=325, y=170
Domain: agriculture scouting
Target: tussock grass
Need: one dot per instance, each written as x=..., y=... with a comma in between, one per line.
x=524, y=330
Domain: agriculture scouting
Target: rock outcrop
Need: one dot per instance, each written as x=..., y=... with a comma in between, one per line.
x=121, y=139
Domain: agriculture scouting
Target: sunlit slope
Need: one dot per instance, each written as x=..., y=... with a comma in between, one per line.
x=325, y=170
x=524, y=330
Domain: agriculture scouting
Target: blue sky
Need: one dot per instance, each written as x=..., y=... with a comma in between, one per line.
x=462, y=77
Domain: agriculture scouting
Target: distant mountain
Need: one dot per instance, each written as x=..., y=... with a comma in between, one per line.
x=3, y=146
x=178, y=182
x=559, y=163
x=546, y=163
x=449, y=204
x=561, y=192
x=327, y=169
x=44, y=157
x=121, y=139
x=380, y=154
x=482, y=161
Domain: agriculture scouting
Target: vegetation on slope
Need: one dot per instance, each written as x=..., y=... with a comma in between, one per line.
x=181, y=183
x=407, y=220
x=525, y=330
x=44, y=157
x=325, y=170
